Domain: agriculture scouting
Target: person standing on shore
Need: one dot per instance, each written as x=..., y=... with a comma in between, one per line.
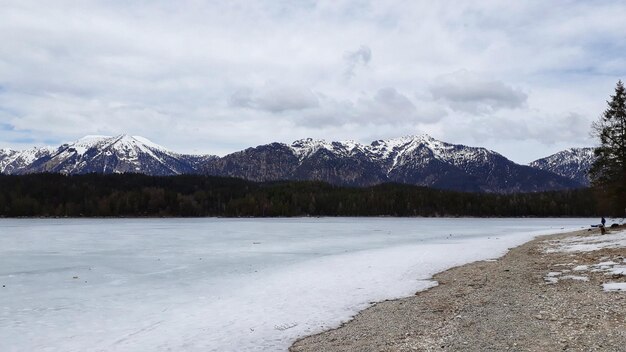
x=602, y=222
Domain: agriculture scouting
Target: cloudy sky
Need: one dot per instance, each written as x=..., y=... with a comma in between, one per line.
x=524, y=78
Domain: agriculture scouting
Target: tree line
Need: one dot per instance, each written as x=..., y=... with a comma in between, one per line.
x=138, y=195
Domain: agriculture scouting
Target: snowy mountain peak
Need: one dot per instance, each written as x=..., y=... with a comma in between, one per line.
x=380, y=149
x=123, y=146
x=573, y=163
x=304, y=148
x=405, y=140
x=396, y=147
x=581, y=153
x=120, y=141
x=391, y=152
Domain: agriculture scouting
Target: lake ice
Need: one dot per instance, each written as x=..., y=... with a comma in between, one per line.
x=222, y=284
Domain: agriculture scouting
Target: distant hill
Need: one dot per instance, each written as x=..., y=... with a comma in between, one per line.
x=572, y=163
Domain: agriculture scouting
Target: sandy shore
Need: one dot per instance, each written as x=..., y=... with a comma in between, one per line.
x=528, y=300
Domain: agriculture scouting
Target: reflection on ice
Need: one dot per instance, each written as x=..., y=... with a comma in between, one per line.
x=222, y=284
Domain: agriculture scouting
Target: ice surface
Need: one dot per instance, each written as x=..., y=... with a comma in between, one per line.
x=222, y=284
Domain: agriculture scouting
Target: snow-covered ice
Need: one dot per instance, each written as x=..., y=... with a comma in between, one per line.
x=222, y=284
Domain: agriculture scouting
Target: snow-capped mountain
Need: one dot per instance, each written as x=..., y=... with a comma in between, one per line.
x=102, y=154
x=418, y=160
x=572, y=163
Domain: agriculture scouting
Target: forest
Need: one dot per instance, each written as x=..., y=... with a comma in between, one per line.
x=138, y=195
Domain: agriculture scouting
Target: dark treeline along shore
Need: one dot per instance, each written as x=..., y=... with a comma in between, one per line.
x=137, y=195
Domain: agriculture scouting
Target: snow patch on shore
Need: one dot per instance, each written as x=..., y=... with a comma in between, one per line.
x=613, y=267
x=614, y=286
x=587, y=243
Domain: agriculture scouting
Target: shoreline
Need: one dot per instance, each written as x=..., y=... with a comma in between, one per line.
x=308, y=217
x=494, y=305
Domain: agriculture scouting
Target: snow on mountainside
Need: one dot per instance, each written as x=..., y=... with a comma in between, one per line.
x=392, y=151
x=399, y=148
x=102, y=154
x=304, y=148
x=572, y=163
x=15, y=161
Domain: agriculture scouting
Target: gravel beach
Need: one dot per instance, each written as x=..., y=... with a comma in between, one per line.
x=542, y=296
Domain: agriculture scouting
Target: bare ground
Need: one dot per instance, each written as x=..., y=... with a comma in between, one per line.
x=503, y=305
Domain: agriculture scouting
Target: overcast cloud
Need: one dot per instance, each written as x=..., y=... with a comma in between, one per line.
x=523, y=78
x=475, y=94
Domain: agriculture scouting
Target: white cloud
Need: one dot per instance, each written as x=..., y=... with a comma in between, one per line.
x=220, y=76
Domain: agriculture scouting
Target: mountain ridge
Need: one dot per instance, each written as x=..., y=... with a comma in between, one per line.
x=418, y=160
x=414, y=159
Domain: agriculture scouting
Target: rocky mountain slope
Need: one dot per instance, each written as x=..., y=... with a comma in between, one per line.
x=418, y=160
x=572, y=163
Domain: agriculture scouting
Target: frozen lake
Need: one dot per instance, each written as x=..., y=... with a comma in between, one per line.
x=222, y=284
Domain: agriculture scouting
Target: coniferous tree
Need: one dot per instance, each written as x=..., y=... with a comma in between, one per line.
x=608, y=173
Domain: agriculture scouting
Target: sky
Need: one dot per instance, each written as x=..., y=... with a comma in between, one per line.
x=523, y=78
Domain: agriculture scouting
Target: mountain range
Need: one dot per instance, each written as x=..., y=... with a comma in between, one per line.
x=418, y=160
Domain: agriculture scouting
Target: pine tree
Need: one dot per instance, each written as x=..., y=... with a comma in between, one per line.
x=608, y=173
